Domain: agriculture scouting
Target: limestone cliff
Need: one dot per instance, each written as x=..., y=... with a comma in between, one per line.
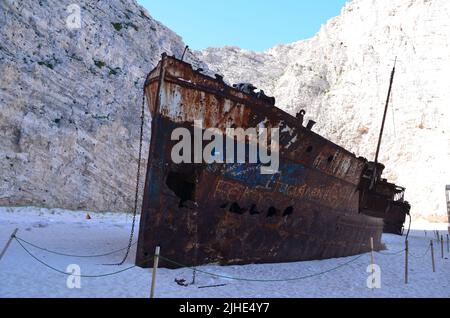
x=341, y=77
x=70, y=100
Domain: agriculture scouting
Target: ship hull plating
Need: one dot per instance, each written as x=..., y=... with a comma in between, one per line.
x=230, y=213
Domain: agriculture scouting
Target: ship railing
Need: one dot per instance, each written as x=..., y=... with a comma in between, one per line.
x=399, y=195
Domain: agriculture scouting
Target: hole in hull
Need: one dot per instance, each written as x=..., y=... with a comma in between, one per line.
x=271, y=212
x=235, y=208
x=288, y=211
x=183, y=185
x=253, y=210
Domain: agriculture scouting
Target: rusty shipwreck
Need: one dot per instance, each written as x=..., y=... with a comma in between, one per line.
x=324, y=202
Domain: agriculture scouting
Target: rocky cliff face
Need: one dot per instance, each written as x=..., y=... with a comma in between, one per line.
x=70, y=100
x=341, y=76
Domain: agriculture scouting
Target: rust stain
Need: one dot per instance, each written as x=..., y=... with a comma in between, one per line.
x=319, y=206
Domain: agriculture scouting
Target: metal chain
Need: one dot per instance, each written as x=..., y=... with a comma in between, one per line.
x=136, y=195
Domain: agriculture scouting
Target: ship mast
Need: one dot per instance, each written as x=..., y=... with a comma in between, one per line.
x=385, y=112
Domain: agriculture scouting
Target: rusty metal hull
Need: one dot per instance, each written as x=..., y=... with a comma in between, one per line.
x=228, y=213
x=382, y=199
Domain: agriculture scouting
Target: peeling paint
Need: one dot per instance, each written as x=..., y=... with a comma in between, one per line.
x=231, y=214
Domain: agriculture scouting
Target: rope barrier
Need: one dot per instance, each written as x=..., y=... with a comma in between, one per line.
x=19, y=240
x=262, y=280
x=70, y=274
x=422, y=256
x=392, y=253
x=71, y=255
x=22, y=242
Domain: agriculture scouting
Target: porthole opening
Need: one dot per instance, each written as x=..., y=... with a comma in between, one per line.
x=253, y=210
x=235, y=208
x=271, y=212
x=288, y=211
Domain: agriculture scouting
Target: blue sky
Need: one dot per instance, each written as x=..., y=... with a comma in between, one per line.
x=251, y=24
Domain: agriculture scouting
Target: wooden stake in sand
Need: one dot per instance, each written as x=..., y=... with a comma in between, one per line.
x=371, y=251
x=372, y=262
x=448, y=244
x=193, y=276
x=432, y=256
x=155, y=267
x=406, y=261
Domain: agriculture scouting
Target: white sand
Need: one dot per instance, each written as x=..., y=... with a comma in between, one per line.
x=70, y=232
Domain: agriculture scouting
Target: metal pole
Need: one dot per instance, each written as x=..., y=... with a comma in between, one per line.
x=184, y=52
x=385, y=112
x=432, y=256
x=371, y=251
x=193, y=276
x=155, y=267
x=406, y=261
x=372, y=261
x=442, y=246
x=448, y=245
x=13, y=235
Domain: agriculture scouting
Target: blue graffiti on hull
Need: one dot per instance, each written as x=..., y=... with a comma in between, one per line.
x=289, y=174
